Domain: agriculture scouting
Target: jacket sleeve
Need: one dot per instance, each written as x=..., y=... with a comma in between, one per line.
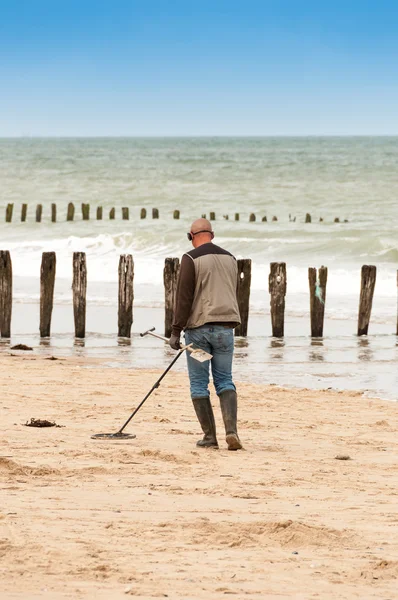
x=184, y=295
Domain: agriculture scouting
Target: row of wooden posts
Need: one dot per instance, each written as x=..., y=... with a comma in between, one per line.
x=85, y=208
x=277, y=288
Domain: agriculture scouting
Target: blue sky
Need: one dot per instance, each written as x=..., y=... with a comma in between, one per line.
x=198, y=67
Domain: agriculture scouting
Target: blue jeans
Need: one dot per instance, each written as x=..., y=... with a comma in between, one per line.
x=218, y=341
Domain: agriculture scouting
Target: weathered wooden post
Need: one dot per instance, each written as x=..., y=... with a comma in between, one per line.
x=155, y=213
x=236, y=216
x=39, y=211
x=203, y=216
x=126, y=295
x=79, y=288
x=212, y=216
x=368, y=282
x=47, y=281
x=24, y=210
x=143, y=213
x=85, y=212
x=308, y=218
x=277, y=288
x=9, y=211
x=53, y=213
x=99, y=213
x=112, y=214
x=317, y=281
x=71, y=212
x=252, y=218
x=243, y=293
x=274, y=218
x=337, y=220
x=125, y=213
x=264, y=219
x=5, y=293
x=170, y=278
x=226, y=217
x=176, y=214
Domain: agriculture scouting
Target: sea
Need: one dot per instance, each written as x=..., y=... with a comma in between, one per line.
x=352, y=179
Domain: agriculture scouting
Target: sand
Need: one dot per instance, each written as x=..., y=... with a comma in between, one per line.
x=156, y=517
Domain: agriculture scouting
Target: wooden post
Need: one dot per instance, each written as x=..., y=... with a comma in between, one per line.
x=203, y=216
x=112, y=214
x=308, y=218
x=79, y=287
x=5, y=293
x=252, y=218
x=277, y=288
x=243, y=293
x=53, y=213
x=24, y=210
x=125, y=213
x=99, y=213
x=212, y=216
x=71, y=212
x=170, y=278
x=274, y=218
x=126, y=295
x=226, y=217
x=143, y=213
x=368, y=282
x=39, y=210
x=317, y=283
x=176, y=214
x=337, y=220
x=236, y=216
x=264, y=219
x=85, y=212
x=9, y=211
x=47, y=281
x=155, y=213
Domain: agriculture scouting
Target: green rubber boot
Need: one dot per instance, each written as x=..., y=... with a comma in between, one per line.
x=229, y=409
x=205, y=415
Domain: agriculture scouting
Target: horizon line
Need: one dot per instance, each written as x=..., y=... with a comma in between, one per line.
x=185, y=136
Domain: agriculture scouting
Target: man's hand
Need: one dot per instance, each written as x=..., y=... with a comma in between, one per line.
x=174, y=342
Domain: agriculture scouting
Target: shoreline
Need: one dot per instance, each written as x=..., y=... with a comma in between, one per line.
x=340, y=362
x=155, y=516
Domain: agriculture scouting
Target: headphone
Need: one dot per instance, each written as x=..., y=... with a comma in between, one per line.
x=191, y=234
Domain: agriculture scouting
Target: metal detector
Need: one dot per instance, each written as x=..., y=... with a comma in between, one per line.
x=119, y=435
x=196, y=353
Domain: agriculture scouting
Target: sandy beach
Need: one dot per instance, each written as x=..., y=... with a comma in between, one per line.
x=156, y=517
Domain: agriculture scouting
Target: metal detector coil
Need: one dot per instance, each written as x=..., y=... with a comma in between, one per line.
x=113, y=436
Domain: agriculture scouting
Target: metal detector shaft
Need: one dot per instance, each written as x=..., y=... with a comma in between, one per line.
x=156, y=385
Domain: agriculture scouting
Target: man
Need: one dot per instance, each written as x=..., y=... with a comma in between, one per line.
x=207, y=310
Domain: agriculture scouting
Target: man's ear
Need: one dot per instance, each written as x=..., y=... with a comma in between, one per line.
x=212, y=235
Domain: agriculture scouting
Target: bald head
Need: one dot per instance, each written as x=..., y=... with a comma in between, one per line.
x=200, y=225
x=203, y=232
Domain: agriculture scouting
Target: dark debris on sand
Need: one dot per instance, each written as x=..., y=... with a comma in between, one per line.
x=41, y=423
x=21, y=347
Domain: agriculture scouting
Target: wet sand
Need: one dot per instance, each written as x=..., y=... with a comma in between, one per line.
x=156, y=517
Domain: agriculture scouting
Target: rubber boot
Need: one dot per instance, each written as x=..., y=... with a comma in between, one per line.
x=205, y=415
x=229, y=409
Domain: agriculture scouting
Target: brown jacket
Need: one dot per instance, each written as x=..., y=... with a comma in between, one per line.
x=206, y=289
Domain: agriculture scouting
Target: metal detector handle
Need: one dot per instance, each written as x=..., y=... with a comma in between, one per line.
x=165, y=339
x=160, y=337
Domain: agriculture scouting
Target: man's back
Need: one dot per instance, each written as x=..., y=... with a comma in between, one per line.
x=214, y=297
